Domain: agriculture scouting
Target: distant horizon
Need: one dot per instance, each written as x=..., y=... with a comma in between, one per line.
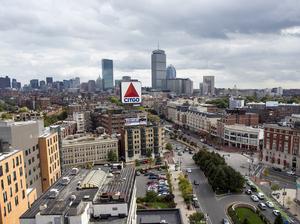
x=224, y=39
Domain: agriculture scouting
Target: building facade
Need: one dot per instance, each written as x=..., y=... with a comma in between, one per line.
x=243, y=137
x=158, y=69
x=282, y=147
x=24, y=136
x=140, y=142
x=208, y=85
x=107, y=74
x=13, y=199
x=80, y=150
x=49, y=158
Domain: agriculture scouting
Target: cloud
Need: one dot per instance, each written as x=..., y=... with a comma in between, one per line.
x=253, y=44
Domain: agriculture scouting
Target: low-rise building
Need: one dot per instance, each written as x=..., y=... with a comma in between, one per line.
x=142, y=141
x=82, y=149
x=243, y=137
x=87, y=196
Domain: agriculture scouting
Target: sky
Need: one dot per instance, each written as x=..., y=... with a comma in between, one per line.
x=251, y=44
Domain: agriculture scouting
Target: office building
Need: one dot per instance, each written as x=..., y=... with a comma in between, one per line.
x=180, y=86
x=24, y=136
x=208, y=85
x=4, y=82
x=13, y=199
x=83, y=149
x=83, y=120
x=235, y=103
x=171, y=72
x=99, y=84
x=49, y=158
x=142, y=141
x=126, y=78
x=87, y=196
x=243, y=137
x=15, y=84
x=107, y=74
x=158, y=69
x=49, y=81
x=34, y=83
x=91, y=86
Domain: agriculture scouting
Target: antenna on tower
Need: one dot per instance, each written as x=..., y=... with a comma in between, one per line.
x=158, y=45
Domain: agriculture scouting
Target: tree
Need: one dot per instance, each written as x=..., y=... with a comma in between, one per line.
x=149, y=152
x=6, y=116
x=196, y=218
x=169, y=146
x=112, y=156
x=137, y=162
x=151, y=196
x=278, y=220
x=275, y=187
x=23, y=109
x=246, y=221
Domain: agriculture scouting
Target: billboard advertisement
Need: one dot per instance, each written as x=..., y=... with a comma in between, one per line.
x=131, y=92
x=136, y=121
x=272, y=104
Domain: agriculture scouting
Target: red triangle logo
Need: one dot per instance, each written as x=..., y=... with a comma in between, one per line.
x=131, y=91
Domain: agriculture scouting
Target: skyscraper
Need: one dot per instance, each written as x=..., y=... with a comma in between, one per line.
x=158, y=69
x=107, y=74
x=49, y=81
x=171, y=72
x=4, y=82
x=208, y=85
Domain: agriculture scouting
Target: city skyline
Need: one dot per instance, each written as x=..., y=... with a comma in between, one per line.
x=41, y=45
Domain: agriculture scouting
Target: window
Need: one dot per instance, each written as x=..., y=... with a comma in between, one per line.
x=114, y=208
x=8, y=179
x=4, y=209
x=14, y=165
x=15, y=175
x=16, y=200
x=21, y=171
x=2, y=184
x=23, y=194
x=1, y=171
x=4, y=196
x=9, y=207
x=6, y=168
x=16, y=188
x=17, y=160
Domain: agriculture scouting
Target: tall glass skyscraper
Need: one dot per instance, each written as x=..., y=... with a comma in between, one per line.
x=158, y=69
x=107, y=74
x=171, y=72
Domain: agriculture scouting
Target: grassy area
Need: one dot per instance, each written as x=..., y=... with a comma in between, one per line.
x=158, y=205
x=252, y=217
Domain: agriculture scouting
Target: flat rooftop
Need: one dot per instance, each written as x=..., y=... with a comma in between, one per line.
x=85, y=186
x=4, y=155
x=73, y=139
x=155, y=216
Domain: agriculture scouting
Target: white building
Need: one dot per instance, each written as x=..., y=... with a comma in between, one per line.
x=235, y=103
x=243, y=137
x=78, y=150
x=83, y=121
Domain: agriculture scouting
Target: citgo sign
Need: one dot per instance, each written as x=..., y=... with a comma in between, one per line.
x=131, y=92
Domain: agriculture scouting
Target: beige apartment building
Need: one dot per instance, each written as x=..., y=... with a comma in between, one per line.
x=82, y=149
x=49, y=158
x=13, y=198
x=137, y=141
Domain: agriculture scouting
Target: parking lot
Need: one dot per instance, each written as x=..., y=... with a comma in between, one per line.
x=152, y=180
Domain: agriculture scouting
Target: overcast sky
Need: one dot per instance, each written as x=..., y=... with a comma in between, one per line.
x=253, y=44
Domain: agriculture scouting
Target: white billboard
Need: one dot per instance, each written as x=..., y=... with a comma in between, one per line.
x=136, y=121
x=131, y=92
x=272, y=104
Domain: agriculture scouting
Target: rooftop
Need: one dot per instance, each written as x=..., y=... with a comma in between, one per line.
x=83, y=139
x=69, y=194
x=5, y=155
x=170, y=216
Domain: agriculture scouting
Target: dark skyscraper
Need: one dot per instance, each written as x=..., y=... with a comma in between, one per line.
x=34, y=83
x=107, y=74
x=158, y=69
x=4, y=82
x=49, y=81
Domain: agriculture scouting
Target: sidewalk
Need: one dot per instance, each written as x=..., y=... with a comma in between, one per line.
x=177, y=194
x=289, y=202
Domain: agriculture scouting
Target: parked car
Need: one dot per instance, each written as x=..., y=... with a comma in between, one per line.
x=188, y=170
x=254, y=198
x=276, y=169
x=291, y=173
x=262, y=206
x=270, y=204
x=225, y=221
x=196, y=204
x=196, y=182
x=179, y=154
x=276, y=212
x=261, y=196
x=253, y=188
x=248, y=191
x=138, y=173
x=194, y=198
